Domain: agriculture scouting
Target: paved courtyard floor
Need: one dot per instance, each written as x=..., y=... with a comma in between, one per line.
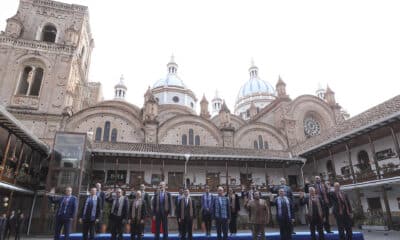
x=372, y=235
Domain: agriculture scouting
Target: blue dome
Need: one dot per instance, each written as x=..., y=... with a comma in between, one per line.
x=170, y=80
x=255, y=86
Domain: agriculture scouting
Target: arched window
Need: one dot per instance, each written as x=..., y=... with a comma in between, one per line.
x=30, y=81
x=49, y=33
x=191, y=137
x=197, y=140
x=363, y=160
x=184, y=139
x=260, y=142
x=255, y=144
x=114, y=135
x=98, y=134
x=106, y=136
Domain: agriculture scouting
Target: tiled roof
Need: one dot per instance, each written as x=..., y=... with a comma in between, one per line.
x=179, y=151
x=15, y=126
x=374, y=116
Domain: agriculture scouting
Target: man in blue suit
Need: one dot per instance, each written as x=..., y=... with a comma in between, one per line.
x=284, y=214
x=66, y=211
x=90, y=214
x=221, y=213
x=161, y=210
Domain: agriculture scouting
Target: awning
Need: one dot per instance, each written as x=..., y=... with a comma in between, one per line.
x=15, y=188
x=16, y=127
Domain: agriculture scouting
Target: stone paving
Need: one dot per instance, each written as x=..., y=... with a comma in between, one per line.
x=373, y=235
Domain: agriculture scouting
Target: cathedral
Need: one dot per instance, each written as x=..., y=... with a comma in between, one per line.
x=48, y=104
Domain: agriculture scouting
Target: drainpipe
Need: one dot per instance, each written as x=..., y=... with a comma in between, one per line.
x=301, y=169
x=187, y=157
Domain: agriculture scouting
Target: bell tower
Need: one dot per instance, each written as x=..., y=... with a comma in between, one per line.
x=45, y=56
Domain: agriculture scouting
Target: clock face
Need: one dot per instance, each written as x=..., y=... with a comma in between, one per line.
x=311, y=127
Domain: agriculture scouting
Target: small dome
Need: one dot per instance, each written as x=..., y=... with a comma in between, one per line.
x=170, y=80
x=121, y=83
x=255, y=86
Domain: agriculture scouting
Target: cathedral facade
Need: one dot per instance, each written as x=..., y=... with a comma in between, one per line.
x=45, y=54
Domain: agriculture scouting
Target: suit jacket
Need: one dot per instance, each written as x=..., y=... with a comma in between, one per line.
x=19, y=224
x=66, y=209
x=102, y=195
x=278, y=217
x=258, y=211
x=3, y=224
x=204, y=204
x=306, y=200
x=147, y=202
x=225, y=208
x=11, y=222
x=186, y=209
x=125, y=206
x=177, y=201
x=335, y=203
x=236, y=208
x=99, y=207
x=155, y=207
x=323, y=195
x=143, y=212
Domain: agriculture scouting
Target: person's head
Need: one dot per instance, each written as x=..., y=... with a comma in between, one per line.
x=21, y=215
x=181, y=190
x=327, y=183
x=162, y=186
x=317, y=179
x=68, y=191
x=283, y=181
x=118, y=192
x=220, y=191
x=207, y=188
x=138, y=194
x=256, y=195
x=142, y=187
x=93, y=191
x=336, y=186
x=13, y=212
x=230, y=191
x=98, y=186
x=311, y=190
x=4, y=215
x=186, y=192
x=281, y=192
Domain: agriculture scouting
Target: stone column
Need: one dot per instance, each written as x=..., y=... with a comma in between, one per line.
x=387, y=207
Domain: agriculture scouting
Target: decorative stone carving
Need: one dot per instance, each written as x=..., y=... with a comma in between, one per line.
x=30, y=102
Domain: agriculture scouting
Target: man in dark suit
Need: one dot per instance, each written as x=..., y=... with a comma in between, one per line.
x=206, y=209
x=118, y=213
x=146, y=198
x=90, y=215
x=288, y=194
x=343, y=212
x=137, y=214
x=284, y=215
x=68, y=205
x=161, y=209
x=102, y=198
x=314, y=212
x=221, y=213
x=177, y=201
x=235, y=208
x=10, y=225
x=3, y=225
x=186, y=213
x=19, y=226
x=323, y=192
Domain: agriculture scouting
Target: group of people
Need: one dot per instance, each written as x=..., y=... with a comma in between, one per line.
x=223, y=208
x=11, y=225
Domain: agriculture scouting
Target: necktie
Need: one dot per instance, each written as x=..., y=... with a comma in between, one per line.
x=116, y=207
x=284, y=208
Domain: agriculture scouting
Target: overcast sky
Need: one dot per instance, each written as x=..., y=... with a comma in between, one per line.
x=354, y=46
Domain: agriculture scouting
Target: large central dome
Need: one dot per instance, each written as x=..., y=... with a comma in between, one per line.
x=170, y=80
x=255, y=91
